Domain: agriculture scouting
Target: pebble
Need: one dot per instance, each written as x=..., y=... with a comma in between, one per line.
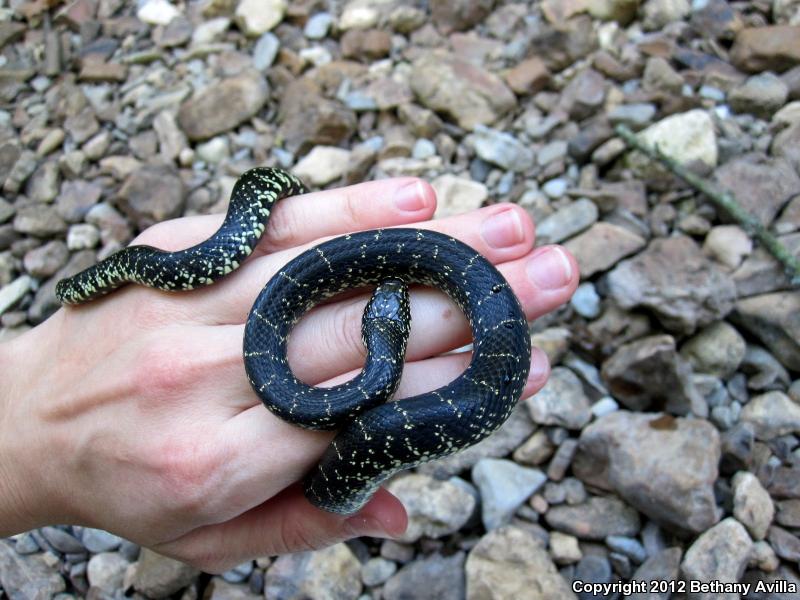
x=158, y=576
x=586, y=301
x=595, y=519
x=636, y=116
x=106, y=571
x=728, y=244
x=760, y=95
x=630, y=547
x=772, y=414
x=717, y=350
x=377, y=570
x=265, y=50
x=561, y=401
x=502, y=149
x=97, y=540
x=602, y=246
x=332, y=572
x=13, y=292
x=567, y=221
x=322, y=165
x=157, y=12
x=592, y=569
x=503, y=486
x=430, y=578
x=457, y=195
x=318, y=25
x=255, y=17
x=564, y=548
x=752, y=506
x=555, y=188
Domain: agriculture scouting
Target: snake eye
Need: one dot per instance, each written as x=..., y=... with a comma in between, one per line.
x=496, y=288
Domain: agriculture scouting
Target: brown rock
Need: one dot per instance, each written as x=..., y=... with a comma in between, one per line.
x=457, y=15
x=602, y=246
x=469, y=94
x=223, y=105
x=529, y=76
x=366, y=44
x=786, y=144
x=98, y=70
x=152, y=194
x=650, y=374
x=771, y=48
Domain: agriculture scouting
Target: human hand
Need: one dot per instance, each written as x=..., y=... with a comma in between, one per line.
x=133, y=413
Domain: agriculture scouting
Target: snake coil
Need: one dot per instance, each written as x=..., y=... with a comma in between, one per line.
x=377, y=437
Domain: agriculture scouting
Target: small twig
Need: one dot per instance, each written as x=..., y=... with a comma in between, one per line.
x=721, y=199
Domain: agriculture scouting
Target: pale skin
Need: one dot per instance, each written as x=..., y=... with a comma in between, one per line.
x=133, y=413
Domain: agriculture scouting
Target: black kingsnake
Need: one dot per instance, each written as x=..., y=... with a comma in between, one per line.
x=376, y=438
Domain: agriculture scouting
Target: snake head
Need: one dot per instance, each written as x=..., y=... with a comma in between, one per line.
x=390, y=301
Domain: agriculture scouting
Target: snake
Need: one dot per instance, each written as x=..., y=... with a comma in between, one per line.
x=376, y=435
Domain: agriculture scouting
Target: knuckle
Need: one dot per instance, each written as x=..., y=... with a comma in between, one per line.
x=187, y=470
x=161, y=371
x=351, y=213
x=347, y=329
x=284, y=227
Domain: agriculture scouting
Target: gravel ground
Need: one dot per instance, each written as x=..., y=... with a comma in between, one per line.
x=665, y=447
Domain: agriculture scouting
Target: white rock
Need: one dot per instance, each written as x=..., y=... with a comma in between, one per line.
x=686, y=137
x=752, y=505
x=564, y=548
x=157, y=12
x=457, y=195
x=255, y=17
x=11, y=293
x=82, y=236
x=360, y=14
x=728, y=244
x=322, y=165
x=210, y=31
x=214, y=150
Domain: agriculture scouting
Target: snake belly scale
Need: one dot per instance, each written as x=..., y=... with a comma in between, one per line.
x=376, y=436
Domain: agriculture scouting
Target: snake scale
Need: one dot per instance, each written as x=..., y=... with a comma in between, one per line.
x=377, y=437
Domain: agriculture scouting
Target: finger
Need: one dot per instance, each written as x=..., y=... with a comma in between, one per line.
x=302, y=219
x=285, y=523
x=501, y=232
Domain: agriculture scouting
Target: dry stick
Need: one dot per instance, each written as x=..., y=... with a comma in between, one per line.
x=721, y=199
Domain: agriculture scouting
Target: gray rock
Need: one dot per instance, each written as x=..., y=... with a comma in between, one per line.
x=788, y=513
x=717, y=350
x=719, y=554
x=6, y=210
x=650, y=374
x=106, y=571
x=81, y=236
x=663, y=466
x=23, y=166
x=239, y=573
x=775, y=320
x=76, y=198
x=567, y=221
x=15, y=291
x=97, y=540
x=684, y=299
x=660, y=76
x=634, y=116
x=536, y=449
x=785, y=544
x=504, y=486
x=584, y=94
x=511, y=434
x=662, y=566
x=555, y=150
x=333, y=572
x=62, y=540
x=586, y=301
x=265, y=50
x=43, y=184
x=429, y=578
x=377, y=570
x=772, y=414
x=457, y=15
x=435, y=508
x=223, y=105
x=596, y=519
x=28, y=577
x=752, y=505
x=219, y=589
x=511, y=563
x=318, y=25
x=502, y=149
x=592, y=569
x=760, y=95
x=470, y=95
x=37, y=219
x=158, y=576
x=630, y=547
x=561, y=401
x=601, y=246
x=152, y=194
x=555, y=188
x=763, y=370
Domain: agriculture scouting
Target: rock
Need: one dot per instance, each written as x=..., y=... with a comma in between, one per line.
x=635, y=116
x=430, y=578
x=43, y=184
x=377, y=570
x=457, y=195
x=528, y=77
x=152, y=194
x=255, y=17
x=458, y=15
x=728, y=244
x=214, y=151
x=586, y=301
x=584, y=94
x=567, y=221
x=242, y=96
x=536, y=449
x=659, y=76
x=308, y=119
x=265, y=51
x=504, y=486
x=660, y=13
x=41, y=220
x=663, y=466
x=785, y=145
x=688, y=138
x=564, y=548
x=317, y=27
x=650, y=374
x=76, y=198
x=717, y=350
x=561, y=401
x=106, y=571
x=592, y=569
x=219, y=589
x=502, y=149
x=157, y=12
x=595, y=519
x=322, y=165
x=773, y=180
x=683, y=299
x=786, y=545
x=360, y=14
x=510, y=563
x=465, y=92
x=97, y=540
x=752, y=506
x=775, y=320
x=435, y=508
x=62, y=540
x=15, y=291
x=28, y=577
x=772, y=415
x=630, y=547
x=45, y=260
x=82, y=236
x=601, y=246
x=333, y=572
x=760, y=95
x=719, y=555
x=158, y=576
x=771, y=48
x=662, y=566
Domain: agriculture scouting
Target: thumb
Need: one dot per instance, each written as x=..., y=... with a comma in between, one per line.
x=285, y=523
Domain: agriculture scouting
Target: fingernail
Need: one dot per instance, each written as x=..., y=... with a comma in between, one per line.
x=549, y=268
x=503, y=229
x=358, y=526
x=410, y=197
x=540, y=365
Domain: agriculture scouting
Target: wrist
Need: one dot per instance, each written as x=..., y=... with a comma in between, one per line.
x=16, y=494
